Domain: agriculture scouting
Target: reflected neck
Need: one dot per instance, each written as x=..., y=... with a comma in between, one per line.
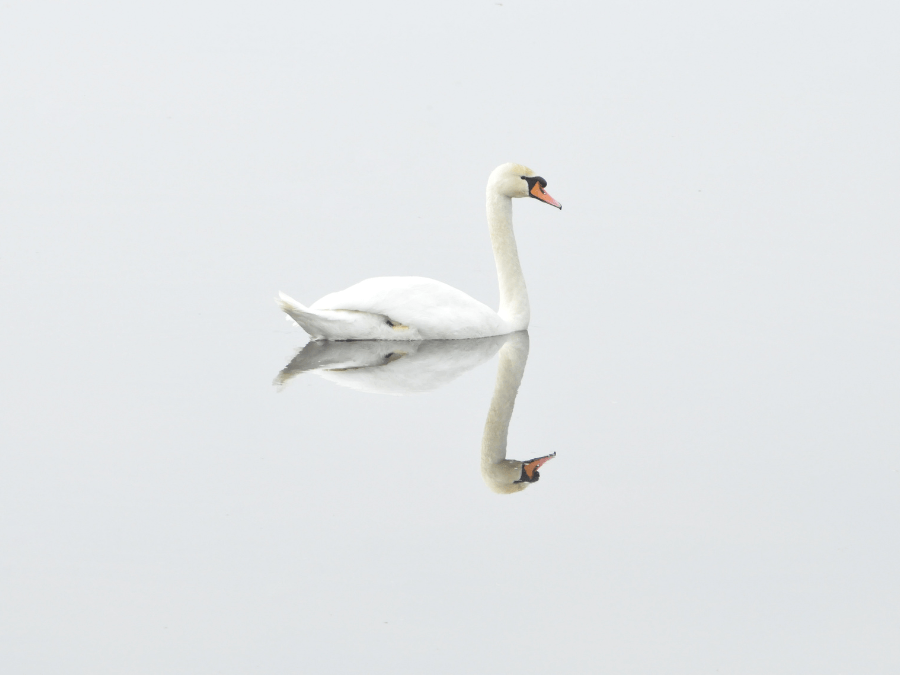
x=514, y=307
x=500, y=474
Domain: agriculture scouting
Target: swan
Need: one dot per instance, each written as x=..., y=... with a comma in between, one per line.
x=416, y=308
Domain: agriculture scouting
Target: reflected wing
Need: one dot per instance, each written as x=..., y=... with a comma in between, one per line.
x=390, y=367
x=341, y=356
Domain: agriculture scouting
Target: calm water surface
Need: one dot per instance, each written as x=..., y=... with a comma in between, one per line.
x=712, y=355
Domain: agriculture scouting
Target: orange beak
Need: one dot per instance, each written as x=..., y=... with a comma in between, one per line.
x=536, y=464
x=539, y=193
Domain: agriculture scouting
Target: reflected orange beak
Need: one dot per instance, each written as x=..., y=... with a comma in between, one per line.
x=536, y=464
x=539, y=193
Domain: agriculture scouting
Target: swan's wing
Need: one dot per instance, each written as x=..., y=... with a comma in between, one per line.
x=345, y=324
x=436, y=310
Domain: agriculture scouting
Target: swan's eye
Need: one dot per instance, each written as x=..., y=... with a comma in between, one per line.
x=531, y=180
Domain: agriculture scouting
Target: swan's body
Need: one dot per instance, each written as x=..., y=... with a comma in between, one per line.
x=415, y=308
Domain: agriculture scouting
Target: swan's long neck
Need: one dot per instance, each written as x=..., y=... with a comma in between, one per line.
x=498, y=472
x=514, y=307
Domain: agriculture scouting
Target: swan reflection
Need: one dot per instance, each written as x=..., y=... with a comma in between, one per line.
x=410, y=367
x=391, y=366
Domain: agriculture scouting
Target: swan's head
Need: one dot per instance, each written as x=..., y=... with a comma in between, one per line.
x=510, y=475
x=516, y=180
x=530, y=468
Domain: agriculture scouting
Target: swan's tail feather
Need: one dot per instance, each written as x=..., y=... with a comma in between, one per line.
x=327, y=324
x=344, y=324
x=287, y=303
x=297, y=313
x=290, y=307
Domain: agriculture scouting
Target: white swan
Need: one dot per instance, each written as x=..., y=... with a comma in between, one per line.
x=415, y=308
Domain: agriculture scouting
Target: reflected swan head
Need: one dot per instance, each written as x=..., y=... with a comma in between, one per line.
x=517, y=180
x=530, y=473
x=505, y=476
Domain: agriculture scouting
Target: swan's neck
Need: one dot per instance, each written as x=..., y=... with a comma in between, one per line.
x=500, y=474
x=514, y=307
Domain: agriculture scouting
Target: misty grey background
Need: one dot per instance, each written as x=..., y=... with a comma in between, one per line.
x=713, y=343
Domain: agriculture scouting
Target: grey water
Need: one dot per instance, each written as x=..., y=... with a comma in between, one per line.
x=712, y=356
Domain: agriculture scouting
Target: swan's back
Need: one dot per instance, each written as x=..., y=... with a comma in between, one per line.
x=436, y=310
